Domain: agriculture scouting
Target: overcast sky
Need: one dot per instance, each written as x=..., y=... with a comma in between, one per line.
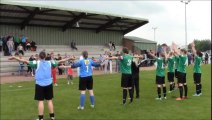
x=167, y=16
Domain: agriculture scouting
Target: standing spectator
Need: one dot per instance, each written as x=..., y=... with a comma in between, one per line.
x=110, y=45
x=206, y=58
x=23, y=42
x=105, y=63
x=1, y=43
x=20, y=49
x=73, y=45
x=29, y=67
x=117, y=62
x=101, y=59
x=60, y=70
x=114, y=46
x=10, y=45
x=17, y=41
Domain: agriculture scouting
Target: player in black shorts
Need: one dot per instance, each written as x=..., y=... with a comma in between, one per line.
x=197, y=70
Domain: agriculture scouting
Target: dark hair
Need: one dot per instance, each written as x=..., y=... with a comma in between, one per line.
x=184, y=51
x=125, y=50
x=85, y=54
x=42, y=55
x=199, y=53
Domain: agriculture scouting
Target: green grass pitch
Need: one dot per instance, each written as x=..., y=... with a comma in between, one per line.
x=17, y=102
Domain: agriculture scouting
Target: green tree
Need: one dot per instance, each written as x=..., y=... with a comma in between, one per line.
x=201, y=45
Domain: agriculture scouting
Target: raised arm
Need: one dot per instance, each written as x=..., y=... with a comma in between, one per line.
x=176, y=51
x=62, y=66
x=151, y=54
x=66, y=59
x=112, y=58
x=193, y=48
x=18, y=59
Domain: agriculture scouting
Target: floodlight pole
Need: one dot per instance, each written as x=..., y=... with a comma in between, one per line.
x=185, y=2
x=154, y=28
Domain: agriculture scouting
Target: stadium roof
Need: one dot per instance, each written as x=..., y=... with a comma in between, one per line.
x=30, y=14
x=139, y=40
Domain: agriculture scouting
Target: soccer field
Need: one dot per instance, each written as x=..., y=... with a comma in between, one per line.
x=17, y=100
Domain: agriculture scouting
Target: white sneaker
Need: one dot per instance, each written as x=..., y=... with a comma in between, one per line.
x=80, y=108
x=55, y=84
x=92, y=106
x=68, y=83
x=200, y=94
x=158, y=99
x=170, y=92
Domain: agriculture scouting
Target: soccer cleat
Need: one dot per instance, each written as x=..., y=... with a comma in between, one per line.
x=92, y=106
x=196, y=94
x=178, y=99
x=55, y=84
x=200, y=94
x=164, y=98
x=170, y=92
x=158, y=99
x=80, y=108
x=68, y=83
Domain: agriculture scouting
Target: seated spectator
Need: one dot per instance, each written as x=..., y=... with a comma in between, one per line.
x=33, y=46
x=28, y=45
x=20, y=49
x=48, y=57
x=21, y=66
x=73, y=46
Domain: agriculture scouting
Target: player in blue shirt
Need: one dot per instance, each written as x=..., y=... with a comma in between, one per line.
x=85, y=78
x=43, y=81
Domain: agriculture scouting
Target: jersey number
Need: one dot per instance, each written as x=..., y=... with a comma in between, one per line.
x=87, y=69
x=129, y=62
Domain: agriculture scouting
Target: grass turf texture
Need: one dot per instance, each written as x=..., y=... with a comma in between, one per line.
x=17, y=102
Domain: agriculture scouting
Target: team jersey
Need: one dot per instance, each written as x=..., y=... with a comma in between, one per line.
x=171, y=64
x=43, y=76
x=85, y=66
x=183, y=60
x=160, y=70
x=125, y=64
x=197, y=64
x=176, y=59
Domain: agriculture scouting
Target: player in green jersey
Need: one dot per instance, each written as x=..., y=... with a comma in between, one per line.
x=197, y=70
x=160, y=73
x=126, y=78
x=170, y=74
x=183, y=60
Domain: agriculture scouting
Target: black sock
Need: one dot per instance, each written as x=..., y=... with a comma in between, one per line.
x=164, y=91
x=159, y=92
x=200, y=88
x=51, y=116
x=186, y=89
x=124, y=95
x=197, y=89
x=181, y=91
x=40, y=117
x=173, y=86
x=131, y=94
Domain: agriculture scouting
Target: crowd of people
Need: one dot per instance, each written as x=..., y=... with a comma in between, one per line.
x=15, y=43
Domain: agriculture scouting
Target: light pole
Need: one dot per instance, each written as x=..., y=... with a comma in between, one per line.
x=154, y=28
x=185, y=2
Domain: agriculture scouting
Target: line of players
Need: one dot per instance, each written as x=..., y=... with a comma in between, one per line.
x=43, y=78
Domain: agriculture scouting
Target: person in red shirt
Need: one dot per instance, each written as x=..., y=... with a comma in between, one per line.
x=70, y=73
